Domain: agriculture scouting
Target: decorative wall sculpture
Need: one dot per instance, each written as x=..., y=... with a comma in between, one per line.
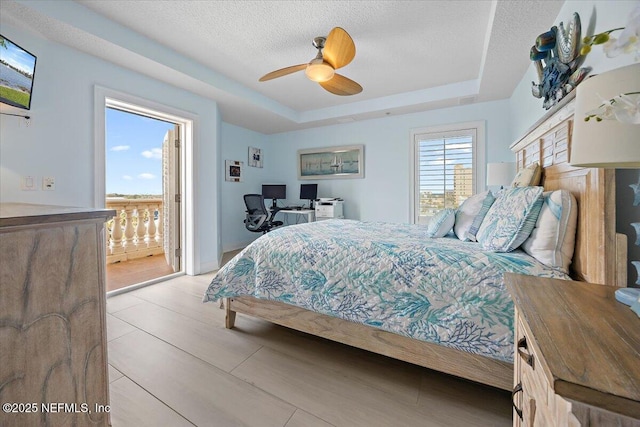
x=557, y=59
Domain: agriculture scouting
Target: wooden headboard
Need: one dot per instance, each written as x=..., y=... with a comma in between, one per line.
x=600, y=254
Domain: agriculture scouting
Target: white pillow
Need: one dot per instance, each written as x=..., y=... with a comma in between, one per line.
x=553, y=239
x=441, y=223
x=466, y=214
x=510, y=219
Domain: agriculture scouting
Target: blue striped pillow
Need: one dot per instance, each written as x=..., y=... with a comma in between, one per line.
x=510, y=219
x=477, y=221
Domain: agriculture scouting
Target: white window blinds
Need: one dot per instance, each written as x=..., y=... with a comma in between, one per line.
x=445, y=170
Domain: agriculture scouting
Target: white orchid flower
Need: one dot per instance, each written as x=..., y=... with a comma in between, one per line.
x=624, y=108
x=627, y=108
x=629, y=40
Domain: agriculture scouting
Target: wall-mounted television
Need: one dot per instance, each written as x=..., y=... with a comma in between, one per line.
x=17, y=67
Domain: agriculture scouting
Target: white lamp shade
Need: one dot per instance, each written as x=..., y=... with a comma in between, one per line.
x=500, y=173
x=608, y=143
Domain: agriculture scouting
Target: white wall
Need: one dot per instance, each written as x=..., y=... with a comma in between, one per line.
x=235, y=146
x=383, y=194
x=60, y=139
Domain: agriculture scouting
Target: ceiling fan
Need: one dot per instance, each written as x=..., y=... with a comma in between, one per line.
x=334, y=51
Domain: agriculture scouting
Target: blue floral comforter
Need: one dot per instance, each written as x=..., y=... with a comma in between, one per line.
x=391, y=276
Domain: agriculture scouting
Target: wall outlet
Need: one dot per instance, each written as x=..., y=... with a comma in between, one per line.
x=48, y=183
x=28, y=183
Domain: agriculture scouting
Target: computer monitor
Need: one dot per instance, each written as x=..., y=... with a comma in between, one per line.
x=274, y=192
x=309, y=192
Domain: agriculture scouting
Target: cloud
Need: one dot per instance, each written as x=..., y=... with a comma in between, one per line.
x=127, y=177
x=440, y=161
x=146, y=175
x=154, y=153
x=458, y=145
x=120, y=148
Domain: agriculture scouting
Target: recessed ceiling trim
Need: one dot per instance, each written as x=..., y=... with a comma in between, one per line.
x=450, y=91
x=212, y=58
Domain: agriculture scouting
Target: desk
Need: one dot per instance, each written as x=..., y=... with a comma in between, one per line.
x=310, y=213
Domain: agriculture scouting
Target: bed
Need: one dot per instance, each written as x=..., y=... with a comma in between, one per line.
x=459, y=321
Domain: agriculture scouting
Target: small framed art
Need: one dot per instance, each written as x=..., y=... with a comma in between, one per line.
x=255, y=157
x=233, y=170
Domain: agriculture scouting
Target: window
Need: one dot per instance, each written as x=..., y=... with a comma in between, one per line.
x=448, y=166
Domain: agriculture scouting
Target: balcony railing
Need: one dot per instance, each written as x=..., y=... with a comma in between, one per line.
x=136, y=230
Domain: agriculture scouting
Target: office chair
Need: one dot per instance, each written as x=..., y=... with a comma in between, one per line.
x=258, y=218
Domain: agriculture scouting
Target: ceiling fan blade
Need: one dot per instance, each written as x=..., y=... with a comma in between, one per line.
x=339, y=48
x=282, y=72
x=340, y=85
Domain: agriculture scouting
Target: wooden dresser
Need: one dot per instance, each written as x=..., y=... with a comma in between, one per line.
x=577, y=358
x=53, y=356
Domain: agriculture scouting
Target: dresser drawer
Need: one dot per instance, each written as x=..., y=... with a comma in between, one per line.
x=531, y=394
x=540, y=406
x=575, y=356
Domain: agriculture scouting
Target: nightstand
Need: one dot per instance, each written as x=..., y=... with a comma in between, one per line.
x=577, y=355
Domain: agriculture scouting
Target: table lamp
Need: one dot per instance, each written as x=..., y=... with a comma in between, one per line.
x=606, y=131
x=500, y=173
x=606, y=118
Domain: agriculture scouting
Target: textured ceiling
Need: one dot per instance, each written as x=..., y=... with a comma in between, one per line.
x=410, y=55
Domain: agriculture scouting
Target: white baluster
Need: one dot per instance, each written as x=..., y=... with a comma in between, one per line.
x=107, y=230
x=140, y=228
x=150, y=238
x=160, y=230
x=116, y=233
x=129, y=232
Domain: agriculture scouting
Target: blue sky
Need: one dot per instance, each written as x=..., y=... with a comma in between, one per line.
x=17, y=57
x=134, y=153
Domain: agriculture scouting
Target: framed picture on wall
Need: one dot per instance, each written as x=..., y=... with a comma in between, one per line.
x=255, y=157
x=233, y=170
x=331, y=162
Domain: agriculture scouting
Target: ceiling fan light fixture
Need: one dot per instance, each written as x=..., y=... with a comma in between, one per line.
x=319, y=71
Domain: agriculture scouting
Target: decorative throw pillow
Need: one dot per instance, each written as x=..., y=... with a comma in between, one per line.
x=441, y=223
x=465, y=214
x=477, y=221
x=528, y=177
x=553, y=238
x=510, y=219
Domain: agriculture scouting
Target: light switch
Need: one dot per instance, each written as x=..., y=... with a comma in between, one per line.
x=28, y=183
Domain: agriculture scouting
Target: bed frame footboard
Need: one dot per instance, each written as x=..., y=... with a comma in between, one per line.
x=474, y=367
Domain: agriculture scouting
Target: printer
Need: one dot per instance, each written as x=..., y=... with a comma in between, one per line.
x=329, y=208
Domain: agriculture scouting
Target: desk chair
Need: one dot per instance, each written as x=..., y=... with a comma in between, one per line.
x=258, y=218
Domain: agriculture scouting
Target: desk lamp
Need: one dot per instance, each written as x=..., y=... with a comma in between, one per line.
x=606, y=131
